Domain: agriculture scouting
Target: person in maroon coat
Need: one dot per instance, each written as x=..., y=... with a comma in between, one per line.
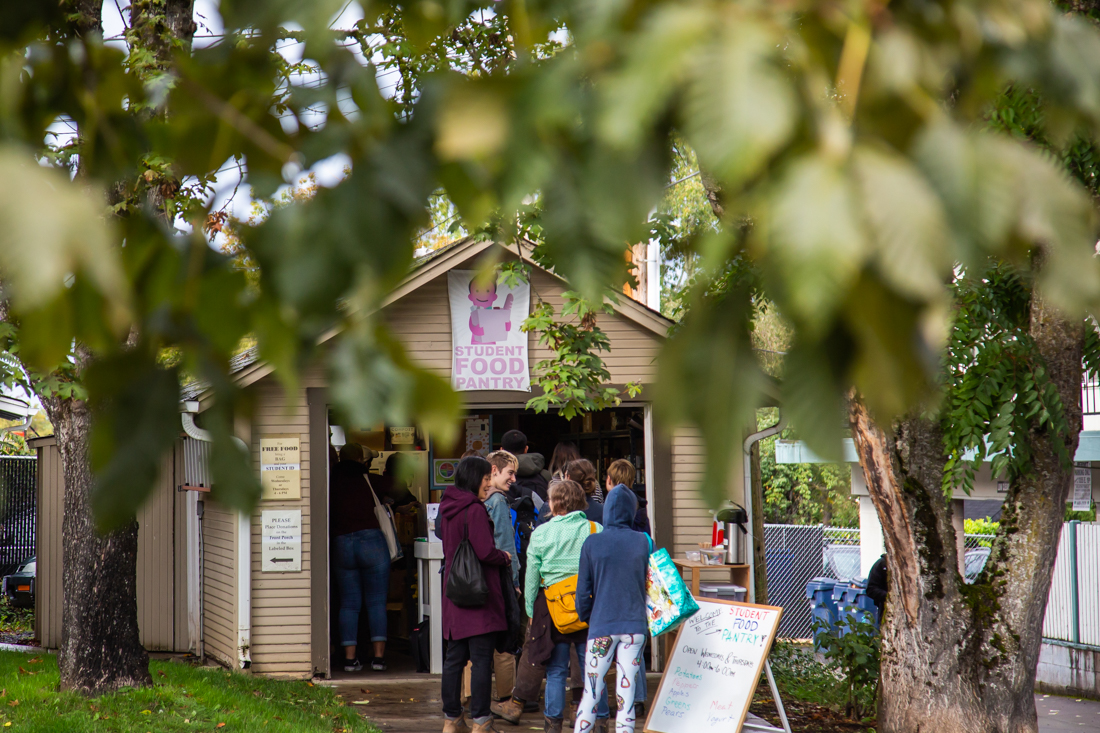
x=471, y=632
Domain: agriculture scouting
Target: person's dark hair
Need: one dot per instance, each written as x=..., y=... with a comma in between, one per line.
x=584, y=473
x=391, y=465
x=469, y=473
x=564, y=452
x=514, y=442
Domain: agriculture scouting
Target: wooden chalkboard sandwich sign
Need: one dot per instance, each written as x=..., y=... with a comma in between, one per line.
x=714, y=667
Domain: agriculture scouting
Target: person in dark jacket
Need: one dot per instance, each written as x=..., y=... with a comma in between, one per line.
x=611, y=598
x=531, y=476
x=361, y=557
x=471, y=631
x=876, y=584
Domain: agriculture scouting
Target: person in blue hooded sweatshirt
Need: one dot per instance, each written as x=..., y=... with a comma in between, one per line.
x=611, y=598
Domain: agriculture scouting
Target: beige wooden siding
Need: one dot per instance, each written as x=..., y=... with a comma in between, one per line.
x=51, y=497
x=691, y=519
x=219, y=583
x=281, y=601
x=161, y=626
x=422, y=320
x=184, y=508
x=156, y=572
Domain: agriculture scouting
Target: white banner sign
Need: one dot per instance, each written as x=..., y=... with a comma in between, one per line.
x=713, y=669
x=281, y=541
x=488, y=349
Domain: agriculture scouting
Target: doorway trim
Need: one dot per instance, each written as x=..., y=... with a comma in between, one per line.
x=317, y=400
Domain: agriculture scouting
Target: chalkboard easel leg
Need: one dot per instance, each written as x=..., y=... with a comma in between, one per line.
x=775, y=694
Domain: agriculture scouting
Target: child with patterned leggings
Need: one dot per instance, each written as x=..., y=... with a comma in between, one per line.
x=611, y=598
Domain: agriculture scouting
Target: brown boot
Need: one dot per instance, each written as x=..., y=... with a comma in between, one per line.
x=600, y=726
x=458, y=725
x=486, y=727
x=552, y=725
x=509, y=710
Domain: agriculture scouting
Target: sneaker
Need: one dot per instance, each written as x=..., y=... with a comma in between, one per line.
x=352, y=665
x=378, y=664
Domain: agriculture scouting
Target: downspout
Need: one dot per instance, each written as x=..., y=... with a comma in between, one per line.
x=746, y=460
x=244, y=550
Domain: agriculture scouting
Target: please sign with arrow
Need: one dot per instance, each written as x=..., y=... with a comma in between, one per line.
x=281, y=540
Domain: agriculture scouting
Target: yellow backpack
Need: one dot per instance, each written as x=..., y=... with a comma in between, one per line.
x=561, y=599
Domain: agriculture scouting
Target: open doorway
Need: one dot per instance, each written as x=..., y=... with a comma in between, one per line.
x=411, y=473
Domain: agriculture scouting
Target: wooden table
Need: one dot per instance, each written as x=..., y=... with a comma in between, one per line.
x=739, y=574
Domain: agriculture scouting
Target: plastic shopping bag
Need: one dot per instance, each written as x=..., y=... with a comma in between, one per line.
x=668, y=601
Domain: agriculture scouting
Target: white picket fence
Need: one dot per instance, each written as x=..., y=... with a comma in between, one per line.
x=1073, y=609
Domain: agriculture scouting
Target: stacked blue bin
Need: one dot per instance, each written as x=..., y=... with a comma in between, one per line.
x=823, y=608
x=852, y=602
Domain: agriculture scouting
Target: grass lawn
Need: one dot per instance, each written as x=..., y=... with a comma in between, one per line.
x=183, y=698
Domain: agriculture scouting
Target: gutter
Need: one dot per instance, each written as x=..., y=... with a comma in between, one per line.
x=746, y=462
x=244, y=550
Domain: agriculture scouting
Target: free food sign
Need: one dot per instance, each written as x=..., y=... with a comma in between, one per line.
x=488, y=349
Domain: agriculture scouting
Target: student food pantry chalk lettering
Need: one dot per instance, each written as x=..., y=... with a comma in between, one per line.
x=714, y=668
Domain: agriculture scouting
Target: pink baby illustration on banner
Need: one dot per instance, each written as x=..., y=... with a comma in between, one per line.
x=488, y=347
x=488, y=325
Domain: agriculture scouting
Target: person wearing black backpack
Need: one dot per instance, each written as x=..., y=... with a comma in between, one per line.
x=473, y=603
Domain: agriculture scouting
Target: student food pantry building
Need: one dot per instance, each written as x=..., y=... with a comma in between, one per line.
x=254, y=590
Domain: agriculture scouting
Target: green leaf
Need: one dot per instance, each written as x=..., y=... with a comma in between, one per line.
x=55, y=230
x=906, y=223
x=733, y=136
x=135, y=405
x=813, y=241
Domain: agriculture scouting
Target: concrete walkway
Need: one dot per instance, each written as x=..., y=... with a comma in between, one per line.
x=1057, y=714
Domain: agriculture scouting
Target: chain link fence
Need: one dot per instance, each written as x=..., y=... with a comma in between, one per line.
x=18, y=505
x=795, y=554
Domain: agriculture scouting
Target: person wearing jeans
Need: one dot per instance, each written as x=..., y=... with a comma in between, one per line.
x=363, y=578
x=361, y=558
x=557, y=675
x=553, y=556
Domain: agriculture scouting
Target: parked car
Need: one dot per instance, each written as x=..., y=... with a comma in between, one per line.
x=973, y=562
x=842, y=562
x=18, y=587
x=16, y=539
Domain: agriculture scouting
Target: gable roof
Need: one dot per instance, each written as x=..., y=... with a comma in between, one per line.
x=248, y=368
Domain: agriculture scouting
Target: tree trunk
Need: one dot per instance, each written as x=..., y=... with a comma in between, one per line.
x=100, y=647
x=959, y=657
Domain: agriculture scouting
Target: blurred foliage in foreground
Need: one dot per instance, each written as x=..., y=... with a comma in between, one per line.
x=847, y=144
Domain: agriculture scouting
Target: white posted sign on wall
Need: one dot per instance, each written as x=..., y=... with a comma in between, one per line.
x=712, y=672
x=1082, y=489
x=280, y=467
x=281, y=540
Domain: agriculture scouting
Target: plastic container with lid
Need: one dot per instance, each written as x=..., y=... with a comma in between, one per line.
x=723, y=592
x=712, y=555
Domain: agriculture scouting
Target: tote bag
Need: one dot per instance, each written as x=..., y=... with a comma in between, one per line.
x=668, y=602
x=466, y=586
x=385, y=523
